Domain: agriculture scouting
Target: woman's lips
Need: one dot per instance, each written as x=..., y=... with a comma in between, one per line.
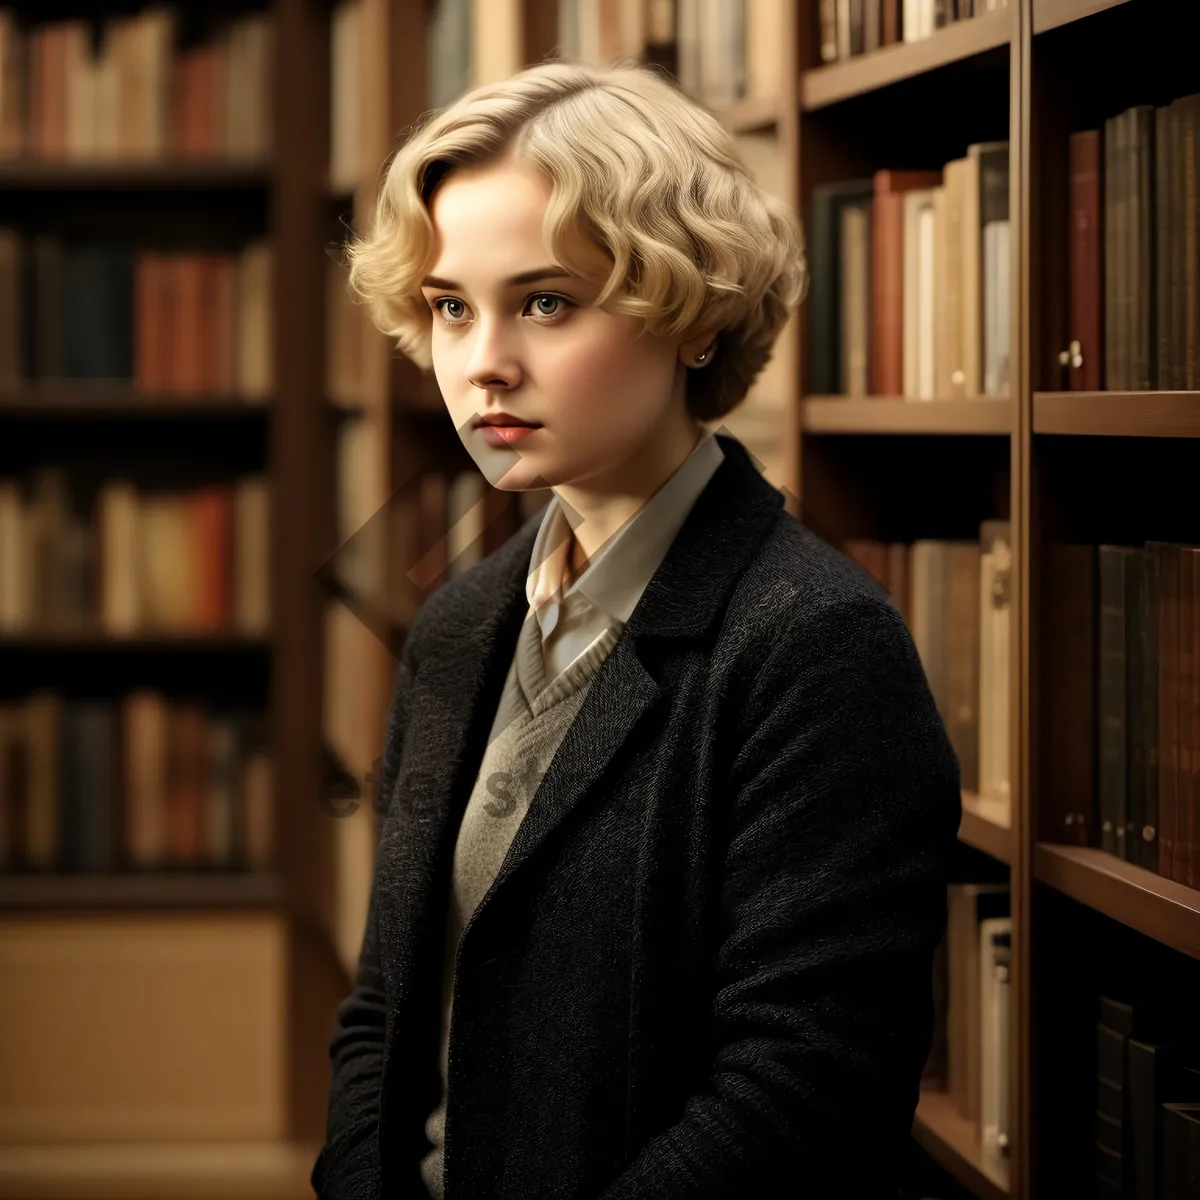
x=507, y=435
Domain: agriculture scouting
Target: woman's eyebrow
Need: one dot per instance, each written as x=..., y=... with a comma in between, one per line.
x=534, y=276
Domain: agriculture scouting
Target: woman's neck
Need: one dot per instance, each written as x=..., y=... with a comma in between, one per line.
x=605, y=512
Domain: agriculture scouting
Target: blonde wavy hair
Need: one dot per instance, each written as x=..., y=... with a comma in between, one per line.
x=636, y=168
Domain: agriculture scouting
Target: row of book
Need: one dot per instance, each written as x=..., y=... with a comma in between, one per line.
x=911, y=289
x=971, y=988
x=134, y=782
x=138, y=86
x=853, y=27
x=1122, y=665
x=130, y=561
x=171, y=323
x=1147, y=1116
x=1134, y=282
x=956, y=597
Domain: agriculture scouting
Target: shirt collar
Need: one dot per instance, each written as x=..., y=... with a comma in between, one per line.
x=619, y=572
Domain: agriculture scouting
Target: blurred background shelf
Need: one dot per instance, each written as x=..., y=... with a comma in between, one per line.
x=149, y=175
x=162, y=889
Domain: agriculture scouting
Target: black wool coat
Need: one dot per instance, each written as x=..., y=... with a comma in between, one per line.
x=704, y=969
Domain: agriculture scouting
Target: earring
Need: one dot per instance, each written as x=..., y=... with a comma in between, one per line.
x=702, y=355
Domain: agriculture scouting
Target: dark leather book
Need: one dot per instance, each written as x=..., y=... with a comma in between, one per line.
x=1069, y=691
x=824, y=299
x=1168, y=707
x=1085, y=249
x=1163, y=294
x=1159, y=1072
x=1190, y=223
x=1111, y=719
x=1135, y=684
x=1144, y=283
x=1181, y=1151
x=1113, y=234
x=1189, y=660
x=1146, y=840
x=97, y=314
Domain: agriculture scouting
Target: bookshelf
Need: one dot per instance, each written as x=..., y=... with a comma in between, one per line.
x=190, y=172
x=1084, y=464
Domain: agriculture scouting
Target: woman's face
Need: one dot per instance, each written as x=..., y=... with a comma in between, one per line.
x=600, y=396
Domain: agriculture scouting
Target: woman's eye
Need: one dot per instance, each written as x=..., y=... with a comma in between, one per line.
x=538, y=300
x=453, y=317
x=453, y=311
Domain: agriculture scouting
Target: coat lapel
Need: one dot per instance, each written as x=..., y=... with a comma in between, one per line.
x=462, y=675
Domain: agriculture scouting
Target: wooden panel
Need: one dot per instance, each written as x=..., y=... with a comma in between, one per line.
x=1118, y=414
x=219, y=1171
x=162, y=1027
x=1048, y=14
x=864, y=73
x=1160, y=908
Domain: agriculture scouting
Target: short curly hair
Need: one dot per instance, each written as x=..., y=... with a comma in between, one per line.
x=636, y=168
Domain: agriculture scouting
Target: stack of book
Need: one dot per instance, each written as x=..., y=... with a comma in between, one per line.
x=911, y=290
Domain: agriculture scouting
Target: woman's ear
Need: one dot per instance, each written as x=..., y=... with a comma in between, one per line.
x=698, y=351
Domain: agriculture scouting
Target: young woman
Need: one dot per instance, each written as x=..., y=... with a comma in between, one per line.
x=667, y=806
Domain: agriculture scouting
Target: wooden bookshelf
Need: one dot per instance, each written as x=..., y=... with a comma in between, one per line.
x=895, y=414
x=1049, y=14
x=1118, y=414
x=878, y=69
x=88, y=176
x=1160, y=908
x=286, y=997
x=201, y=889
x=953, y=1143
x=149, y=1171
x=752, y=115
x=105, y=402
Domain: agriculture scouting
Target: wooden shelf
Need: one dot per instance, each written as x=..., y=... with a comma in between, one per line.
x=750, y=115
x=1157, y=907
x=985, y=826
x=894, y=414
x=45, y=175
x=1118, y=414
x=953, y=1143
x=1049, y=14
x=200, y=1171
x=84, y=401
x=877, y=69
x=165, y=889
x=96, y=641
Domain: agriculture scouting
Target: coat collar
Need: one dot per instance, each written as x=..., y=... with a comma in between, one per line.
x=465, y=660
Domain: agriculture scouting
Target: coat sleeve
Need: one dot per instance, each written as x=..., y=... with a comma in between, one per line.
x=348, y=1167
x=845, y=805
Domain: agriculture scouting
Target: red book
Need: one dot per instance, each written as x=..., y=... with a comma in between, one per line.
x=211, y=512
x=887, y=282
